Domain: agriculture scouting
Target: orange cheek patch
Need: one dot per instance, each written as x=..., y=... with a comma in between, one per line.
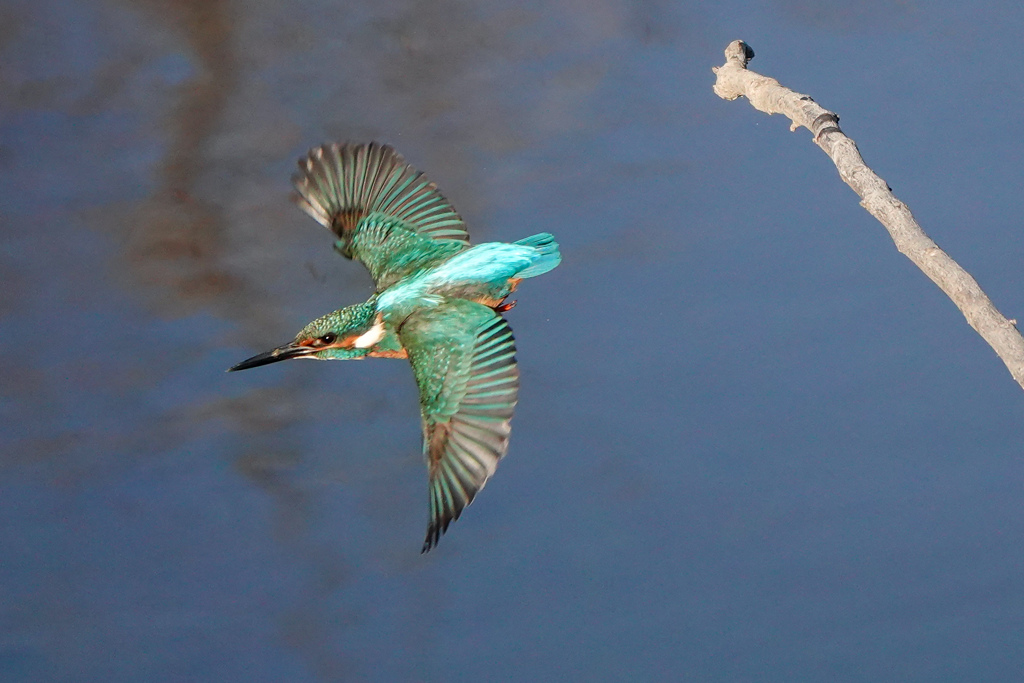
x=346, y=343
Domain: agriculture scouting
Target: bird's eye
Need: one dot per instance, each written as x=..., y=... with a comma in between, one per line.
x=325, y=340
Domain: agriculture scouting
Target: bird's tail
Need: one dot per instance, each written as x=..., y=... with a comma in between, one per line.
x=548, y=255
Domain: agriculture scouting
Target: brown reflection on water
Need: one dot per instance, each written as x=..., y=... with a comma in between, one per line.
x=176, y=248
x=176, y=239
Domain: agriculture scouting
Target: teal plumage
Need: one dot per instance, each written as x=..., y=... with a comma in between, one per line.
x=547, y=254
x=463, y=357
x=438, y=302
x=384, y=212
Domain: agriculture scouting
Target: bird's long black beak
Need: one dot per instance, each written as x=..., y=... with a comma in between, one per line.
x=283, y=352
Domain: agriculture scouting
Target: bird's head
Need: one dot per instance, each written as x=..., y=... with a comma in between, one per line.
x=349, y=333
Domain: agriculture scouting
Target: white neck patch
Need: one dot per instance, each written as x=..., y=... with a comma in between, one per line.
x=371, y=336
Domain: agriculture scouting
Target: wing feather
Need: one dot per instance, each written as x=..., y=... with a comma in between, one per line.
x=463, y=356
x=383, y=211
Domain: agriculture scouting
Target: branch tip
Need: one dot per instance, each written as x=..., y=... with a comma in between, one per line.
x=767, y=95
x=738, y=51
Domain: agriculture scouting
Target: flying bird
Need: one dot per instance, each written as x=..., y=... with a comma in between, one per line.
x=438, y=302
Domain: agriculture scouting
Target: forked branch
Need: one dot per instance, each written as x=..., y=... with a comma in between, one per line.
x=767, y=95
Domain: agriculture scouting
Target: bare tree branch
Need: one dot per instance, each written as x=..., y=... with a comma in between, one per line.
x=767, y=95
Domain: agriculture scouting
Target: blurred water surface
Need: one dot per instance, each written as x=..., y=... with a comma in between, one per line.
x=753, y=442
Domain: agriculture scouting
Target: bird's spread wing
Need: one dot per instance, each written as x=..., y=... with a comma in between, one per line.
x=463, y=356
x=384, y=212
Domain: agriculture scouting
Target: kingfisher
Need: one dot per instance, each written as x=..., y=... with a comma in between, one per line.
x=438, y=302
